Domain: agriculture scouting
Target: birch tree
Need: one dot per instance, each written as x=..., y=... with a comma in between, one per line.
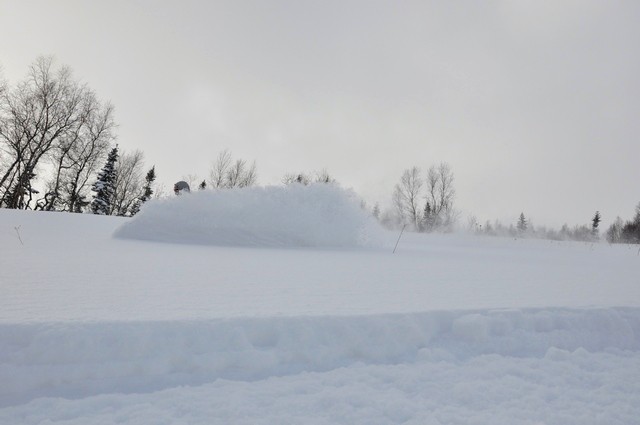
x=227, y=173
x=47, y=121
x=407, y=197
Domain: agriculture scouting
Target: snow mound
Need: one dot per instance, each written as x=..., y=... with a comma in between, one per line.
x=318, y=215
x=89, y=358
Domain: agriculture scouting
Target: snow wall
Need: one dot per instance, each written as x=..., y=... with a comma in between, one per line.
x=318, y=215
x=78, y=359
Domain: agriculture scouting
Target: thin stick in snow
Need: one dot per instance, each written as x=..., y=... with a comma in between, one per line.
x=398, y=241
x=18, y=232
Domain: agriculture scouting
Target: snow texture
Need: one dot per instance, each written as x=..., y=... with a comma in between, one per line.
x=449, y=330
x=318, y=215
x=74, y=360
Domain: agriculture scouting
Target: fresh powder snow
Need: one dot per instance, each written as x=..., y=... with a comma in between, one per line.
x=287, y=305
x=319, y=215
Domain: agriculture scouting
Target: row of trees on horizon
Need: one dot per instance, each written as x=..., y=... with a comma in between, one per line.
x=425, y=203
x=58, y=153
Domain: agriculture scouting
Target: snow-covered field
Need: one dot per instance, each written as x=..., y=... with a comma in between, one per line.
x=210, y=323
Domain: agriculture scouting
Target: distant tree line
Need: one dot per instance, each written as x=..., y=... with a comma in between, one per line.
x=625, y=231
x=619, y=231
x=524, y=228
x=58, y=153
x=229, y=173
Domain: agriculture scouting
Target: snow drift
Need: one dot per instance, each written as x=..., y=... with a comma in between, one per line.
x=81, y=359
x=318, y=215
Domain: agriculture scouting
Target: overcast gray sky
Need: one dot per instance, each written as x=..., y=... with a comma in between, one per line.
x=535, y=104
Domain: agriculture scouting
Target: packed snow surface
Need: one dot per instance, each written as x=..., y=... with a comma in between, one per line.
x=451, y=329
x=318, y=215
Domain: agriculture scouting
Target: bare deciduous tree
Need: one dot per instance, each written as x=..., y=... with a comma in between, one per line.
x=614, y=232
x=296, y=178
x=433, y=210
x=40, y=111
x=48, y=117
x=218, y=174
x=129, y=183
x=321, y=176
x=77, y=157
x=160, y=192
x=228, y=174
x=406, y=197
x=241, y=175
x=440, y=196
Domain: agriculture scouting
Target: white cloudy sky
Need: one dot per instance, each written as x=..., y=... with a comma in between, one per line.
x=535, y=104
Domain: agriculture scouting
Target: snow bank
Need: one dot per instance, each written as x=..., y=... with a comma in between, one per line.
x=73, y=360
x=564, y=388
x=318, y=215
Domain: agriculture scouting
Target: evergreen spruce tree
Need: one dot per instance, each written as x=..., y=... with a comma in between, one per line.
x=104, y=187
x=376, y=211
x=147, y=191
x=595, y=222
x=203, y=185
x=522, y=223
x=428, y=218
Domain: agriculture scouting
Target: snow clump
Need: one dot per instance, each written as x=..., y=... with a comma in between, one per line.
x=318, y=215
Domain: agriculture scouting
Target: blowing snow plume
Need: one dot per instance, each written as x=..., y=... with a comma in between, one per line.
x=318, y=215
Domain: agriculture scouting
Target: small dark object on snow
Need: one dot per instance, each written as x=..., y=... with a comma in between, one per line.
x=180, y=187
